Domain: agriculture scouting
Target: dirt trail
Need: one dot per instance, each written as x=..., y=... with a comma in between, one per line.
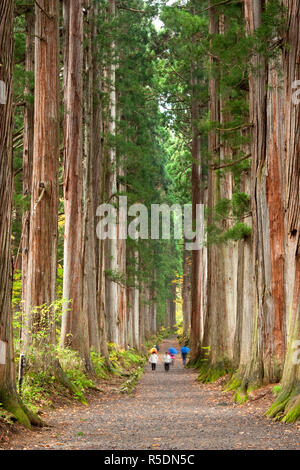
x=166, y=411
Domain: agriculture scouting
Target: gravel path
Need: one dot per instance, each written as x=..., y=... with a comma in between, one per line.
x=166, y=411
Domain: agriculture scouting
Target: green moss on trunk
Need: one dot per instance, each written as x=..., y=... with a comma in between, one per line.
x=209, y=373
x=244, y=389
x=233, y=383
x=286, y=407
x=195, y=363
x=240, y=396
x=11, y=402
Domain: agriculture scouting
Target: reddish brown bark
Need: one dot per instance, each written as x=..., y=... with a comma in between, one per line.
x=220, y=259
x=268, y=339
x=186, y=293
x=7, y=378
x=287, y=406
x=75, y=321
x=27, y=145
x=112, y=290
x=8, y=394
x=41, y=281
x=73, y=96
x=274, y=192
x=196, y=200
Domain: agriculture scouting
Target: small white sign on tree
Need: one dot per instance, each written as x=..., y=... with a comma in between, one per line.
x=3, y=347
x=2, y=92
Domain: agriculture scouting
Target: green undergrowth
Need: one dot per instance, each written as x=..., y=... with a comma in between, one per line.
x=276, y=390
x=40, y=389
x=6, y=418
x=129, y=385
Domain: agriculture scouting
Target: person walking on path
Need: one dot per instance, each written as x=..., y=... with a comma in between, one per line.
x=167, y=361
x=153, y=360
x=184, y=355
x=184, y=352
x=172, y=356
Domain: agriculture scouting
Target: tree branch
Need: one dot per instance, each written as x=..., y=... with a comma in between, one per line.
x=232, y=129
x=226, y=165
x=21, y=9
x=42, y=9
x=18, y=171
x=224, y=2
x=20, y=103
x=122, y=7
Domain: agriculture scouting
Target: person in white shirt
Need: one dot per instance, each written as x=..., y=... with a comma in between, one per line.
x=167, y=361
x=153, y=360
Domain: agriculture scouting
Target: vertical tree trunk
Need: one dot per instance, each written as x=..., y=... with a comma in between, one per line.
x=268, y=337
x=122, y=309
x=92, y=167
x=136, y=304
x=173, y=306
x=244, y=304
x=142, y=309
x=111, y=252
x=129, y=326
x=8, y=394
x=41, y=280
x=92, y=164
x=75, y=324
x=167, y=313
x=27, y=145
x=153, y=307
x=287, y=406
x=42, y=257
x=147, y=313
x=228, y=276
x=186, y=293
x=71, y=331
x=196, y=200
x=97, y=171
x=215, y=331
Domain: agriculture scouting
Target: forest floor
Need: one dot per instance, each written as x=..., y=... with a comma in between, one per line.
x=166, y=411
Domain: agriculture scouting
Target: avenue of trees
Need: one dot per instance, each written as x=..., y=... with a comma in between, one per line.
x=100, y=103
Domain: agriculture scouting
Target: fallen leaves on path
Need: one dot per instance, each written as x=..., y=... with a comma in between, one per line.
x=168, y=410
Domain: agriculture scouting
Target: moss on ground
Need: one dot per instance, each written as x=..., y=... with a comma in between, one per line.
x=209, y=373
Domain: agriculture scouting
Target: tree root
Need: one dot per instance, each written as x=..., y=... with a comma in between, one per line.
x=62, y=378
x=233, y=383
x=286, y=407
x=195, y=363
x=241, y=396
x=209, y=373
x=242, y=385
x=12, y=403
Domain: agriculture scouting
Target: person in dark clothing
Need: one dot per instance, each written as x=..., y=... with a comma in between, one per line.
x=184, y=355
